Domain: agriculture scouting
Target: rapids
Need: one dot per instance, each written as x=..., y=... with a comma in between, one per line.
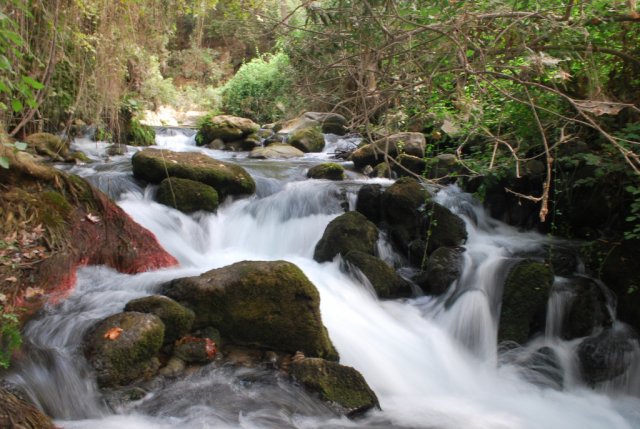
x=433, y=363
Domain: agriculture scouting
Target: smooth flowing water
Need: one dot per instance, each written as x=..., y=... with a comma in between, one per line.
x=433, y=363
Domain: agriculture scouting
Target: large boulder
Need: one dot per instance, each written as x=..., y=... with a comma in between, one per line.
x=607, y=355
x=307, y=139
x=122, y=348
x=226, y=128
x=342, y=386
x=327, y=170
x=155, y=165
x=443, y=268
x=265, y=304
x=68, y=224
x=369, y=202
x=275, y=151
x=384, y=279
x=48, y=145
x=588, y=309
x=16, y=413
x=186, y=195
x=177, y=319
x=333, y=123
x=393, y=145
x=417, y=224
x=349, y=231
x=524, y=301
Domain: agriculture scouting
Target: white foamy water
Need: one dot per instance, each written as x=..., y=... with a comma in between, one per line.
x=432, y=362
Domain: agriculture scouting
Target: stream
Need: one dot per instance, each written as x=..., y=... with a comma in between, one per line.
x=433, y=362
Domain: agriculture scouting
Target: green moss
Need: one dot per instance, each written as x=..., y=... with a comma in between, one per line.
x=154, y=165
x=308, y=139
x=524, y=301
x=385, y=281
x=224, y=127
x=266, y=304
x=335, y=383
x=49, y=145
x=178, y=320
x=140, y=135
x=187, y=195
x=347, y=232
x=327, y=170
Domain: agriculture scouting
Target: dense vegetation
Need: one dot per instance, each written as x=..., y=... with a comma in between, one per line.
x=547, y=90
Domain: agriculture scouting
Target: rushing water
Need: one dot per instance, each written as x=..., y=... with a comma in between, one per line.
x=433, y=363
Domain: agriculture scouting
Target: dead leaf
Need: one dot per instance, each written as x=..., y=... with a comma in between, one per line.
x=599, y=108
x=93, y=218
x=11, y=279
x=3, y=298
x=33, y=292
x=113, y=333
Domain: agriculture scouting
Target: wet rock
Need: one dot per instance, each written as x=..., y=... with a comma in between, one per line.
x=443, y=268
x=275, y=151
x=265, y=304
x=413, y=164
x=186, y=195
x=195, y=350
x=116, y=149
x=307, y=139
x=16, y=413
x=342, y=386
x=177, y=319
x=443, y=165
x=226, y=128
x=48, y=145
x=524, y=301
x=369, y=202
x=382, y=171
x=154, y=165
x=606, y=355
x=326, y=170
x=394, y=145
x=349, y=231
x=384, y=279
x=588, y=309
x=122, y=348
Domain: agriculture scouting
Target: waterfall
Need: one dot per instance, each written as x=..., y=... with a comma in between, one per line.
x=433, y=362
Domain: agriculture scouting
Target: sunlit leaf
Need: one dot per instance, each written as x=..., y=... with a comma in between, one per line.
x=32, y=82
x=16, y=105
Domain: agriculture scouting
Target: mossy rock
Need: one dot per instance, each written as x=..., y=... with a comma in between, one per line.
x=224, y=127
x=413, y=164
x=187, y=195
x=327, y=170
x=307, y=139
x=177, y=319
x=443, y=268
x=129, y=355
x=524, y=301
x=394, y=145
x=384, y=279
x=369, y=202
x=140, y=134
x=607, y=355
x=276, y=151
x=333, y=123
x=16, y=413
x=80, y=157
x=347, y=232
x=270, y=305
x=154, y=165
x=382, y=171
x=48, y=145
x=342, y=386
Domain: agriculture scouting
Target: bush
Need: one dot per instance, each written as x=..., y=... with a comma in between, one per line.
x=261, y=89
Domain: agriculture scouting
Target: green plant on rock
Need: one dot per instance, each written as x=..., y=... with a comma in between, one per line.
x=10, y=338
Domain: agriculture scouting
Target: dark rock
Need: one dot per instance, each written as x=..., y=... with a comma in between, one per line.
x=116, y=149
x=186, y=195
x=607, y=355
x=178, y=320
x=382, y=171
x=265, y=304
x=443, y=268
x=327, y=170
x=385, y=281
x=122, y=348
x=16, y=413
x=369, y=202
x=275, y=151
x=337, y=384
x=394, y=145
x=307, y=139
x=588, y=309
x=524, y=301
x=442, y=165
x=333, y=123
x=414, y=164
x=349, y=231
x=154, y=165
x=195, y=350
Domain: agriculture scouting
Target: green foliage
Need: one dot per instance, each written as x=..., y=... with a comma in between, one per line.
x=261, y=89
x=10, y=338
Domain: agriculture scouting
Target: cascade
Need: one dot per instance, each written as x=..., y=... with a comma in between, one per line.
x=433, y=362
